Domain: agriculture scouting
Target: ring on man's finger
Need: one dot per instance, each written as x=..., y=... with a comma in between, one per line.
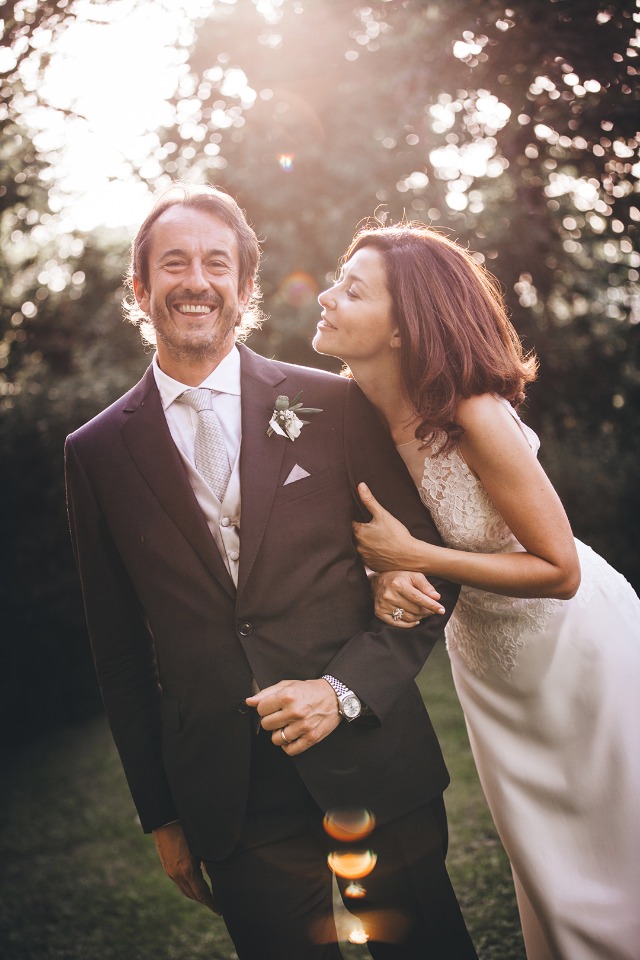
x=397, y=614
x=285, y=742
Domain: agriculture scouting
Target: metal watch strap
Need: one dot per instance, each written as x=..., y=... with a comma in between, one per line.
x=339, y=687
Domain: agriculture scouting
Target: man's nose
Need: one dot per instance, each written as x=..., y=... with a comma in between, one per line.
x=196, y=278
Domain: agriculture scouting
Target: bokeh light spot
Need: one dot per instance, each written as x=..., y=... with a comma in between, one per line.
x=355, y=890
x=352, y=865
x=349, y=825
x=298, y=289
x=358, y=935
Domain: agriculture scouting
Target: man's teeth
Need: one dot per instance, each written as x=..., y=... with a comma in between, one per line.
x=194, y=308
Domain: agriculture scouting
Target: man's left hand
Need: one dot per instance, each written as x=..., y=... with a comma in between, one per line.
x=300, y=713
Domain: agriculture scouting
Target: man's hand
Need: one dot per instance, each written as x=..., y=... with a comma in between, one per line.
x=302, y=712
x=412, y=592
x=181, y=866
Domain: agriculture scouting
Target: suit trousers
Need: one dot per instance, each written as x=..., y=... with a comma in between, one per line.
x=276, y=888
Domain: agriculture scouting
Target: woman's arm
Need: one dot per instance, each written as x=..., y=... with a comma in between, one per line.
x=497, y=452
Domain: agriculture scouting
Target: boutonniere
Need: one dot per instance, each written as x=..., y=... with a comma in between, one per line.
x=285, y=420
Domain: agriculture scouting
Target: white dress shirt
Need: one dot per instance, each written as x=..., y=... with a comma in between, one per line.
x=223, y=519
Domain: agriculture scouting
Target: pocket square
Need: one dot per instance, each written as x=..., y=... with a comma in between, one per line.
x=297, y=473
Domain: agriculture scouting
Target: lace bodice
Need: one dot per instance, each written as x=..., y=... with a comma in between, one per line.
x=486, y=629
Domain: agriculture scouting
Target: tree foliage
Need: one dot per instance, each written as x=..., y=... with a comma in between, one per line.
x=512, y=126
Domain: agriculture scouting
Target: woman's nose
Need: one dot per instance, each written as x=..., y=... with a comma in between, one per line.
x=323, y=298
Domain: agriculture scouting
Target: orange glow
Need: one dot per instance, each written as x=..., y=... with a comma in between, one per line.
x=349, y=825
x=352, y=866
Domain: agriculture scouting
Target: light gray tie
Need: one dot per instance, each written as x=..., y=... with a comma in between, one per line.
x=212, y=458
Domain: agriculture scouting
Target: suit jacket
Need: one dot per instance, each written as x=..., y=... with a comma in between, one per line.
x=176, y=645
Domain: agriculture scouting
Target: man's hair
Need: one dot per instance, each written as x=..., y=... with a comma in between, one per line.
x=456, y=340
x=217, y=203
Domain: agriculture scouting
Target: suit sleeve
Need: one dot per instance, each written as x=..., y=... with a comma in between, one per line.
x=122, y=649
x=379, y=662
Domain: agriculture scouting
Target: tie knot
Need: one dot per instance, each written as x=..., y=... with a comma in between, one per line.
x=199, y=399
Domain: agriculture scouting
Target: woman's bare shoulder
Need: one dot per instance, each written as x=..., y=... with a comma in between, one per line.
x=482, y=411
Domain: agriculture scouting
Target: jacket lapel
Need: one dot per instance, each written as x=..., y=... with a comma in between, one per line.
x=149, y=441
x=261, y=456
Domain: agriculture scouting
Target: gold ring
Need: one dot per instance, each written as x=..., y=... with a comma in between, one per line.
x=283, y=738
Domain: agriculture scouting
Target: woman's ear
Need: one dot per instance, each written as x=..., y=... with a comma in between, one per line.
x=395, y=341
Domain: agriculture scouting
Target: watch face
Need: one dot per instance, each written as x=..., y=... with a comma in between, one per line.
x=351, y=707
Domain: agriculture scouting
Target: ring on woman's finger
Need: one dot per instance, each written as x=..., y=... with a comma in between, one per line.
x=285, y=742
x=397, y=614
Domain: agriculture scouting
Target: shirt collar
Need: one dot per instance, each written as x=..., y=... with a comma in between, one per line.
x=224, y=379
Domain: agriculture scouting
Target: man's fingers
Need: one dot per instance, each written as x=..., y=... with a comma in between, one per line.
x=258, y=698
x=204, y=895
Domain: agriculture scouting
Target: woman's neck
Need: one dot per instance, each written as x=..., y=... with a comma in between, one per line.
x=383, y=389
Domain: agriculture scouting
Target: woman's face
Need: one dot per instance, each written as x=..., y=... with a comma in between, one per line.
x=357, y=320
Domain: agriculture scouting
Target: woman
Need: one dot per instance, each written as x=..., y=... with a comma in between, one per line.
x=546, y=667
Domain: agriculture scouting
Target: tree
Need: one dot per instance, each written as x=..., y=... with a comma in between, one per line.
x=512, y=126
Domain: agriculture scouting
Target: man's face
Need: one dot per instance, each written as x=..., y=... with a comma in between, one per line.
x=191, y=296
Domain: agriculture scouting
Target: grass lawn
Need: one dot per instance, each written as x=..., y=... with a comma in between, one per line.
x=79, y=881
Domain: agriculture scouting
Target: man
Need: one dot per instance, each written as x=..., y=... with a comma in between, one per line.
x=216, y=560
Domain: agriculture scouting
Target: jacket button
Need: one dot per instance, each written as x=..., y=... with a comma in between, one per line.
x=244, y=629
x=243, y=707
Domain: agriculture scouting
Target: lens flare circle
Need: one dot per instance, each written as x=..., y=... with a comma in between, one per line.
x=352, y=865
x=349, y=825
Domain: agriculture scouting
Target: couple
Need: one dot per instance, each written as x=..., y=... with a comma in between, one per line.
x=248, y=684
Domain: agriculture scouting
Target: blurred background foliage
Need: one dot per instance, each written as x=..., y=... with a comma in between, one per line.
x=514, y=127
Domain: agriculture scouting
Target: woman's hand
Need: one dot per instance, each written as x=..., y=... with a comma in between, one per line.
x=410, y=592
x=384, y=543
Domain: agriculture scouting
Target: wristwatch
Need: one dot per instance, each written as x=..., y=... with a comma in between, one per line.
x=349, y=705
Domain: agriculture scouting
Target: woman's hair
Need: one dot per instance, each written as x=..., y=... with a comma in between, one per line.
x=218, y=204
x=456, y=340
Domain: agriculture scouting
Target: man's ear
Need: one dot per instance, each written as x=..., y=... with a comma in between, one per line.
x=141, y=294
x=245, y=296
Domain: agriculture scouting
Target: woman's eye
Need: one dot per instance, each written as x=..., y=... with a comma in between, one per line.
x=352, y=295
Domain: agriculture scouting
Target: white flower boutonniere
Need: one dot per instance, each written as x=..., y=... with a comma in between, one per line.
x=285, y=420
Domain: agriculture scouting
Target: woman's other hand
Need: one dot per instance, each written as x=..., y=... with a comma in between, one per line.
x=409, y=592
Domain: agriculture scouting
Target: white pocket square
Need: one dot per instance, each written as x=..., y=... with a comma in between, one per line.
x=297, y=473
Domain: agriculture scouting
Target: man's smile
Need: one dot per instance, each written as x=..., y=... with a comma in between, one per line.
x=194, y=308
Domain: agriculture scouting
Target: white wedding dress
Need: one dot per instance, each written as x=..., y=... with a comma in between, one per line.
x=550, y=691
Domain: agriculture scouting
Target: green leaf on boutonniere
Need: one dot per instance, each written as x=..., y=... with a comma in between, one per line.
x=285, y=420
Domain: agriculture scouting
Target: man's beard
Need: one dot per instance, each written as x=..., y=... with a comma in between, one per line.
x=191, y=345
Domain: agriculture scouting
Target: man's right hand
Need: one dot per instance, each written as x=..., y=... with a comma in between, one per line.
x=181, y=866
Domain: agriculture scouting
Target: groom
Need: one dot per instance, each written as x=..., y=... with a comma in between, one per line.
x=248, y=686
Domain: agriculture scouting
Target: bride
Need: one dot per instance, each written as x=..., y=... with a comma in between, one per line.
x=544, y=641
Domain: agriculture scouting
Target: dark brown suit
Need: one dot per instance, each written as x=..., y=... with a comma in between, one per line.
x=176, y=646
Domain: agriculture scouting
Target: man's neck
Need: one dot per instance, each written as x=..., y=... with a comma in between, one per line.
x=190, y=371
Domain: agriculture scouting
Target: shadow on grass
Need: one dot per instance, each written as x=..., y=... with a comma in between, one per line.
x=81, y=882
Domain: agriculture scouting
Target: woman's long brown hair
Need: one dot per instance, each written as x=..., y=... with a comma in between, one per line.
x=456, y=339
